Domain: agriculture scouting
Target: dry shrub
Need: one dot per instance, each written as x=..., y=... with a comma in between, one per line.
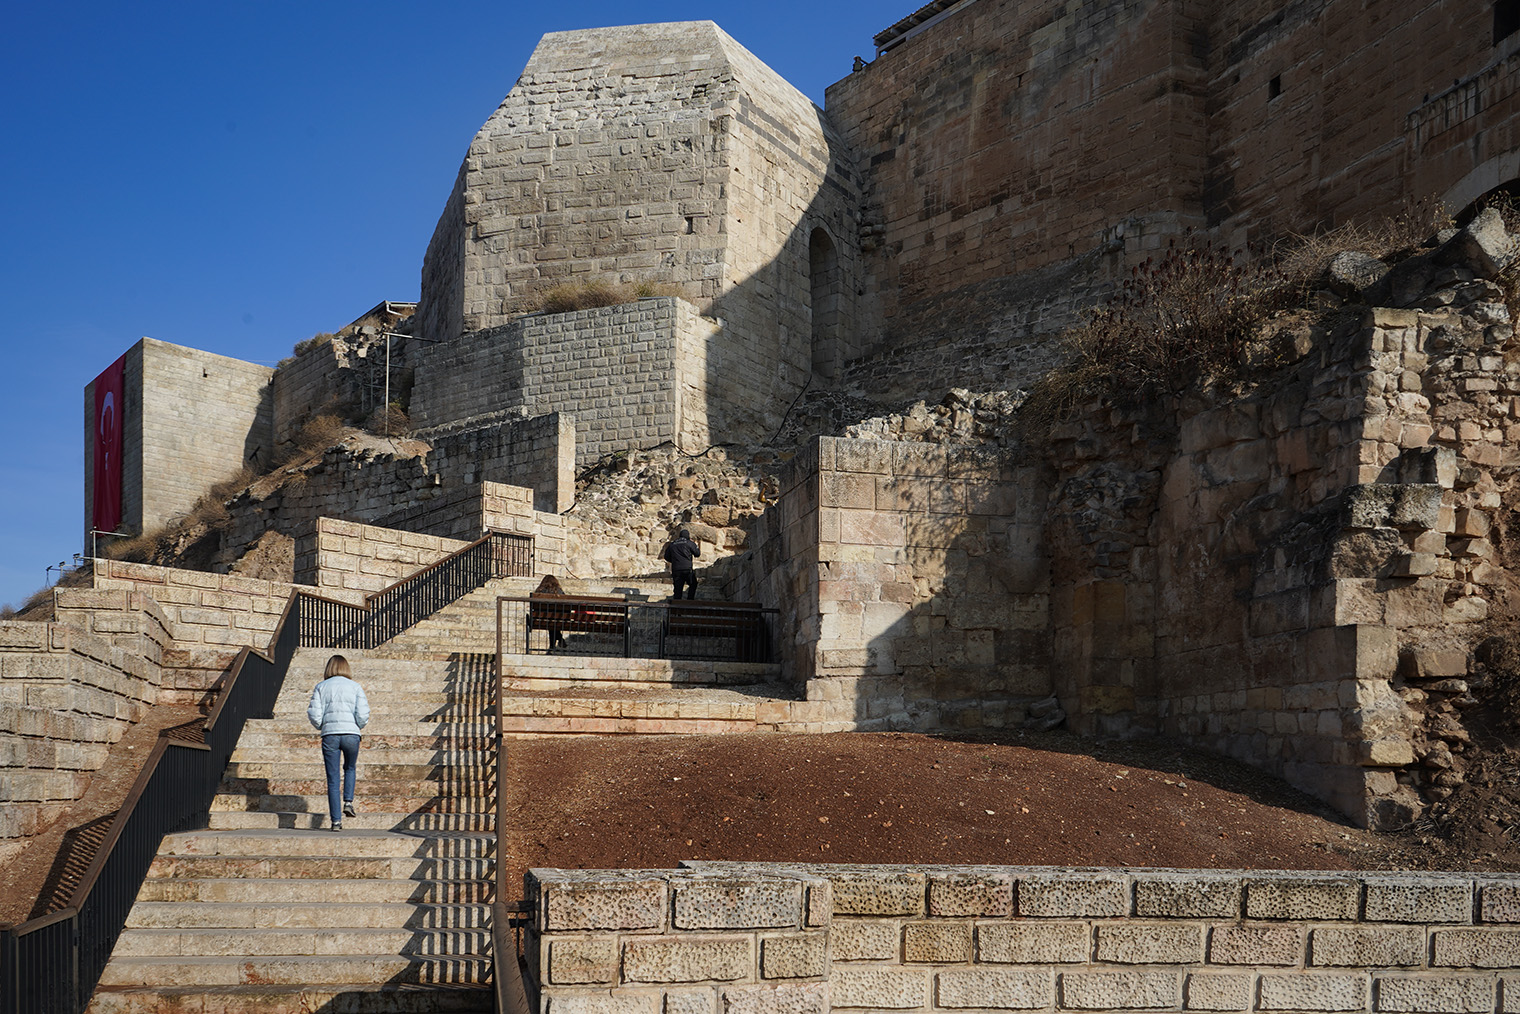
x=570, y=296
x=389, y=420
x=1191, y=313
x=319, y=433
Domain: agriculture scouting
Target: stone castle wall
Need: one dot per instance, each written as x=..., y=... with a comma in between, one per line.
x=1008, y=138
x=192, y=419
x=811, y=939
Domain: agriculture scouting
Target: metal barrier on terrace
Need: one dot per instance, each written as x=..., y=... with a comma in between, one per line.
x=597, y=625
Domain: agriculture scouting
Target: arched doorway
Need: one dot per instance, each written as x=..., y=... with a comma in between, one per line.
x=823, y=263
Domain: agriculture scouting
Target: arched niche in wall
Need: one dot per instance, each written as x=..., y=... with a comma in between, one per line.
x=827, y=290
x=1508, y=191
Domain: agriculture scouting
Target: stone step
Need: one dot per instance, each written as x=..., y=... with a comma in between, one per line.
x=217, y=891
x=532, y=727
x=306, y=751
x=361, y=845
x=419, y=705
x=418, y=736
x=271, y=914
x=378, y=820
x=295, y=970
x=330, y=998
x=317, y=803
x=320, y=867
x=374, y=765
x=313, y=941
x=369, y=785
x=724, y=709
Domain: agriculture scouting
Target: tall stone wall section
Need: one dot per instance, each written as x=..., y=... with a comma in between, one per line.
x=1005, y=138
x=538, y=453
x=192, y=419
x=811, y=939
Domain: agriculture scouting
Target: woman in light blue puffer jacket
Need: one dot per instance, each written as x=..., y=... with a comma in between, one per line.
x=339, y=708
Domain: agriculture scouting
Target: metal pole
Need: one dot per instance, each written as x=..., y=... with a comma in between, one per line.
x=386, y=408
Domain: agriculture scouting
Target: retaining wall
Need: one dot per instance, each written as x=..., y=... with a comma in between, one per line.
x=65, y=697
x=756, y=938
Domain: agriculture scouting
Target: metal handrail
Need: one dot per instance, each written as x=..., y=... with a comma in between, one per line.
x=511, y=996
x=396, y=608
x=52, y=963
x=621, y=617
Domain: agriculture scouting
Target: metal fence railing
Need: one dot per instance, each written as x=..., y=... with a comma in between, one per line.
x=593, y=625
x=393, y=610
x=51, y=964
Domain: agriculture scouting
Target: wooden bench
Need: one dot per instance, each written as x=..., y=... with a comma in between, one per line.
x=603, y=615
x=742, y=621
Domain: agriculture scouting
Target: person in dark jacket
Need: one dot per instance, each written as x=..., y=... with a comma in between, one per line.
x=339, y=709
x=679, y=553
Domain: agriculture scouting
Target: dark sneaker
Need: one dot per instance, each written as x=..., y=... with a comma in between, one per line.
x=348, y=809
x=338, y=826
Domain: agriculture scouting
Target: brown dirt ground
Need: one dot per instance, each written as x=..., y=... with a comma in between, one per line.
x=1046, y=799
x=1021, y=799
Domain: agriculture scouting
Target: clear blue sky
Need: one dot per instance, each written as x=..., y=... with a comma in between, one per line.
x=238, y=176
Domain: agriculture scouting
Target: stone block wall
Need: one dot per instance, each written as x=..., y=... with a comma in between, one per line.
x=217, y=612
x=814, y=939
x=314, y=383
x=192, y=419
x=345, y=556
x=927, y=603
x=537, y=452
x=65, y=697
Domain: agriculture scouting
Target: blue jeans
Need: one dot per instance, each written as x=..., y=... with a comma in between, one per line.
x=345, y=747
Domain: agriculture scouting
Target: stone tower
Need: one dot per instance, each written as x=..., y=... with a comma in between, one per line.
x=664, y=154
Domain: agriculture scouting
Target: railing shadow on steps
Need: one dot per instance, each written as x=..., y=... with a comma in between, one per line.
x=51, y=964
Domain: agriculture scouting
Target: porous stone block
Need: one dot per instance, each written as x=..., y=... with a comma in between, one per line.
x=793, y=956
x=1419, y=901
x=1204, y=991
x=1302, y=898
x=883, y=988
x=574, y=962
x=883, y=893
x=937, y=942
x=738, y=904
x=1308, y=992
x=780, y=999
x=688, y=958
x=602, y=906
x=864, y=941
x=970, y=894
x=1361, y=946
x=1477, y=948
x=1501, y=903
x=985, y=989
x=602, y=1003
x=1150, y=943
x=1256, y=945
x=1111, y=991
x=689, y=1001
x=1435, y=994
x=1184, y=896
x=1033, y=943
x=1068, y=894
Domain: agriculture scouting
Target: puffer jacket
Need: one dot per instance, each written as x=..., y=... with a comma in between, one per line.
x=338, y=707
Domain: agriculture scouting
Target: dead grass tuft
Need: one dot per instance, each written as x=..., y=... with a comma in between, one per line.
x=570, y=296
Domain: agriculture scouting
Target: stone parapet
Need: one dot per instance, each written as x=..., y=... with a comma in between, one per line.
x=795, y=937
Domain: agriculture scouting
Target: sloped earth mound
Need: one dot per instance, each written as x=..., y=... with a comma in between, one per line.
x=1030, y=799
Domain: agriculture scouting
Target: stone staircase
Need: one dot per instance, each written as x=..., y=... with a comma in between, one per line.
x=570, y=693
x=267, y=909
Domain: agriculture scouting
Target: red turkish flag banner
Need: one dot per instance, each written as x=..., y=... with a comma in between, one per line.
x=108, y=419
